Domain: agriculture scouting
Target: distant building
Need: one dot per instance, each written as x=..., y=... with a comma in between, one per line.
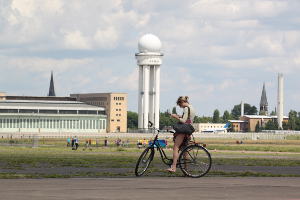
x=50, y=116
x=210, y=127
x=115, y=105
x=247, y=123
x=238, y=125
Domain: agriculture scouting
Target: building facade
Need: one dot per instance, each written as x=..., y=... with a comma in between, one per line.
x=210, y=127
x=247, y=123
x=38, y=116
x=115, y=105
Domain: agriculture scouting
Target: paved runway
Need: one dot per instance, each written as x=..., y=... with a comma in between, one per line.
x=281, y=188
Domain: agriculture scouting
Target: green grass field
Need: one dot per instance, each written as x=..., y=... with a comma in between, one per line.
x=52, y=159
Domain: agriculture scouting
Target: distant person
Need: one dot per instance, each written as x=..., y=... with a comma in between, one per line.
x=105, y=142
x=97, y=143
x=72, y=142
x=127, y=143
x=68, y=142
x=139, y=144
x=76, y=143
x=118, y=142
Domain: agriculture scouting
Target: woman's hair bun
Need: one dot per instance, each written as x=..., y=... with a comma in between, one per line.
x=182, y=99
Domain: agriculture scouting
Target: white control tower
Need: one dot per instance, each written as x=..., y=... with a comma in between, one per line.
x=149, y=60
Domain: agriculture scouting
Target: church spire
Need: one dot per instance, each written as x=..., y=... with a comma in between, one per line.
x=263, y=102
x=51, y=88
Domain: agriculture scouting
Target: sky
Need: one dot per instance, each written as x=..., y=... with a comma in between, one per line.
x=217, y=52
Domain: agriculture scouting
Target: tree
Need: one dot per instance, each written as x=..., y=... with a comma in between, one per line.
x=202, y=119
x=273, y=113
x=292, y=120
x=285, y=126
x=248, y=110
x=132, y=120
x=216, y=116
x=226, y=116
x=271, y=125
x=166, y=120
x=257, y=127
x=174, y=110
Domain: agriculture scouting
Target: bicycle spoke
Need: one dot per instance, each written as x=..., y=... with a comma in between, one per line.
x=195, y=161
x=144, y=161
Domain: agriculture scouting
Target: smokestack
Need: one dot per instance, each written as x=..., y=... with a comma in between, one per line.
x=242, y=108
x=280, y=101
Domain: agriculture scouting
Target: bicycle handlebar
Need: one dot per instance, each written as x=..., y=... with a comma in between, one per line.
x=157, y=129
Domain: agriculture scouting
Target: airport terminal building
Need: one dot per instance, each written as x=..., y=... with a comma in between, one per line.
x=50, y=116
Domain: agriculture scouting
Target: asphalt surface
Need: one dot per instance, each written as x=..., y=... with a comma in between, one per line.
x=275, y=188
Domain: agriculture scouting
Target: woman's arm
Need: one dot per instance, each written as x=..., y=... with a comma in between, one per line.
x=185, y=115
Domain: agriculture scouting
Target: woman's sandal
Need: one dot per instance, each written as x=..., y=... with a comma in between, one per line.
x=171, y=170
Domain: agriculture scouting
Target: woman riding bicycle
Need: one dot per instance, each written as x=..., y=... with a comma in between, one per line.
x=180, y=138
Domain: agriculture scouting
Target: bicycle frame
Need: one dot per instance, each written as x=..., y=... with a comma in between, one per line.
x=155, y=144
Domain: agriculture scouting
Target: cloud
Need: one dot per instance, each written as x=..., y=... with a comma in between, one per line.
x=42, y=64
x=107, y=38
x=210, y=46
x=75, y=40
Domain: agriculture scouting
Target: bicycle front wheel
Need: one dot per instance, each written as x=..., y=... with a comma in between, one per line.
x=195, y=161
x=144, y=161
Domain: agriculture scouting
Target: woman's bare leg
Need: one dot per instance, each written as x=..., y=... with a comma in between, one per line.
x=178, y=141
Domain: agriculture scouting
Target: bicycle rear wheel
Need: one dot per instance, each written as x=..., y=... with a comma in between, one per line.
x=195, y=161
x=144, y=161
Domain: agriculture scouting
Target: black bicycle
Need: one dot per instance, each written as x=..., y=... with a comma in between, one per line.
x=194, y=159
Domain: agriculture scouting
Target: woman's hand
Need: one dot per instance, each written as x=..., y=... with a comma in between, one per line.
x=174, y=116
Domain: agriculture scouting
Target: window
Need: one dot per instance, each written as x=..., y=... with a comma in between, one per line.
x=112, y=120
x=8, y=110
x=87, y=112
x=103, y=123
x=101, y=112
x=48, y=111
x=28, y=111
x=118, y=120
x=68, y=112
x=80, y=124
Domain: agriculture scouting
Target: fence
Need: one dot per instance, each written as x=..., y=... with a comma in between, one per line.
x=266, y=135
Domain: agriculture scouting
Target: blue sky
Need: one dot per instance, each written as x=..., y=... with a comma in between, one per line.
x=218, y=52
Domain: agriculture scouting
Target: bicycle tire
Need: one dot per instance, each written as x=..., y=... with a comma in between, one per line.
x=195, y=161
x=145, y=158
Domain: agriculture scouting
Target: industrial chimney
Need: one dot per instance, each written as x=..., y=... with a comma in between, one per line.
x=280, y=101
x=242, y=108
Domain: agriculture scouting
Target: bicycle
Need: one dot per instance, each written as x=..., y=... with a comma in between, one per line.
x=194, y=159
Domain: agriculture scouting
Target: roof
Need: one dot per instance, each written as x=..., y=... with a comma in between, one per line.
x=49, y=105
x=40, y=98
x=262, y=116
x=263, y=99
x=258, y=116
x=237, y=121
x=51, y=88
